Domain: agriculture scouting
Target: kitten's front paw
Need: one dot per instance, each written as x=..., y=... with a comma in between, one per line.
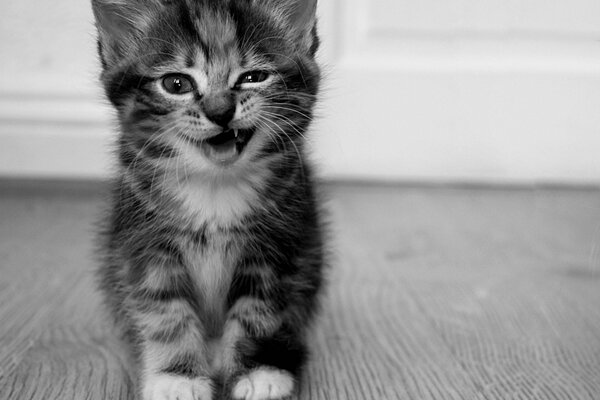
x=264, y=384
x=173, y=387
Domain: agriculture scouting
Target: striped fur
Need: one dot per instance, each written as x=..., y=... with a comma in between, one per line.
x=212, y=270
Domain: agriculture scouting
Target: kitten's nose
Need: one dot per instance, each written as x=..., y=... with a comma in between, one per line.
x=219, y=108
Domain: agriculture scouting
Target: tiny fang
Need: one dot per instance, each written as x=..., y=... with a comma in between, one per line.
x=235, y=132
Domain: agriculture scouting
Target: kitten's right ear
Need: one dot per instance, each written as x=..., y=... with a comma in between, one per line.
x=120, y=24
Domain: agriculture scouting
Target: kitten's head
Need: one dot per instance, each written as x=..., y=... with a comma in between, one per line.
x=214, y=84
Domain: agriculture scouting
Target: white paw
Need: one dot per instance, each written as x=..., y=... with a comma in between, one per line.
x=172, y=387
x=264, y=384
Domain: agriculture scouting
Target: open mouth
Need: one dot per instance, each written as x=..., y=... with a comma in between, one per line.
x=226, y=147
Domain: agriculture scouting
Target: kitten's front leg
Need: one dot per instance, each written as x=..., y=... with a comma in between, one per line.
x=264, y=340
x=170, y=335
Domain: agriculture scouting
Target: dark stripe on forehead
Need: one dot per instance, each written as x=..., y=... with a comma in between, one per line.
x=189, y=30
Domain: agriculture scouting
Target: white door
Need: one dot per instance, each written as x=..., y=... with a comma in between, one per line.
x=461, y=90
x=436, y=90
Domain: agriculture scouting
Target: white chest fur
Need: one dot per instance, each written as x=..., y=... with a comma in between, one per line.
x=213, y=204
x=212, y=269
x=222, y=199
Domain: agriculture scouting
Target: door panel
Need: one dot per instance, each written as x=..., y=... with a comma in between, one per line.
x=454, y=90
x=504, y=91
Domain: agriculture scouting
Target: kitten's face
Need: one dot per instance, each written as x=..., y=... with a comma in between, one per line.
x=214, y=87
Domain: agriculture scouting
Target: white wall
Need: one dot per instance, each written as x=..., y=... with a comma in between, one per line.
x=459, y=90
x=52, y=120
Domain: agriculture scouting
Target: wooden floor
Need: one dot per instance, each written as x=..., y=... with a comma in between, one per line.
x=436, y=293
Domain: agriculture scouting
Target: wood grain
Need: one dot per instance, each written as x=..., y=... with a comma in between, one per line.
x=435, y=293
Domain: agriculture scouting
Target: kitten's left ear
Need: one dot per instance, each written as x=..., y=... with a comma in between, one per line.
x=299, y=16
x=303, y=18
x=302, y=13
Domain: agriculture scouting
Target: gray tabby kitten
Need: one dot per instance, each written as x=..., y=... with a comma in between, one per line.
x=213, y=248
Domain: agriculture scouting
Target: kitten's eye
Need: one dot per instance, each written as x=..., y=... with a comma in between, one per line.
x=177, y=84
x=252, y=77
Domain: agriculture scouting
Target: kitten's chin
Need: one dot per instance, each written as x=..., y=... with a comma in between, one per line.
x=227, y=147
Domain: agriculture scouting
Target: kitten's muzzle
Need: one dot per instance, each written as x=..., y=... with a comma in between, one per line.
x=226, y=147
x=219, y=108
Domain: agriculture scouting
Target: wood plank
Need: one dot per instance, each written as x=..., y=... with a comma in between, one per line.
x=52, y=346
x=506, y=280
x=435, y=293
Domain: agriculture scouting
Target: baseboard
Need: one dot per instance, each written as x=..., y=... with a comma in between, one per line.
x=54, y=136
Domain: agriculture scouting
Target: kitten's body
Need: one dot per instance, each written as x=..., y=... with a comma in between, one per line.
x=213, y=249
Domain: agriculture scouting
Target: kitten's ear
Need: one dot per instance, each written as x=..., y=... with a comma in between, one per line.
x=302, y=13
x=299, y=16
x=120, y=24
x=303, y=18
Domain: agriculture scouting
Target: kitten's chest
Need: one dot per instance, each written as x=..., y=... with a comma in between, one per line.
x=212, y=268
x=223, y=202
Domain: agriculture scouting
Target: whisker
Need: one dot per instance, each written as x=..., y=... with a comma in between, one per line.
x=131, y=167
x=300, y=158
x=288, y=122
x=156, y=167
x=276, y=138
x=130, y=62
x=292, y=60
x=279, y=107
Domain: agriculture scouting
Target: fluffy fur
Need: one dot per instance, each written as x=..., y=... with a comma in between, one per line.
x=212, y=269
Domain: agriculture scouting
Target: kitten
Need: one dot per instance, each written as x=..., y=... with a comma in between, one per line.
x=213, y=250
